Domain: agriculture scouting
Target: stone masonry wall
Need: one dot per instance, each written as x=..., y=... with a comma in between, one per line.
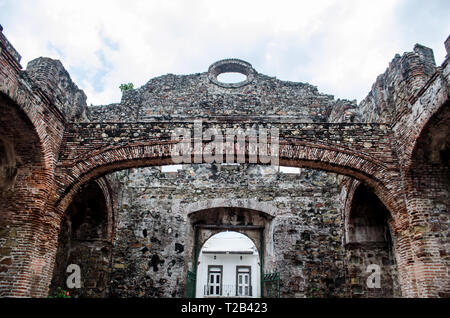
x=51, y=76
x=412, y=96
x=172, y=96
x=151, y=249
x=45, y=153
x=391, y=92
x=31, y=130
x=84, y=240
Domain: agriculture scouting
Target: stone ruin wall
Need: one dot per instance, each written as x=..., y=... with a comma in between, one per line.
x=153, y=242
x=151, y=200
x=309, y=243
x=311, y=251
x=310, y=254
x=195, y=96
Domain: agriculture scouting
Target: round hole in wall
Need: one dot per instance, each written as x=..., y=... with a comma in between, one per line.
x=231, y=77
x=231, y=73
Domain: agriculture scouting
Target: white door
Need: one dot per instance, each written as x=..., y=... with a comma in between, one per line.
x=215, y=282
x=243, y=282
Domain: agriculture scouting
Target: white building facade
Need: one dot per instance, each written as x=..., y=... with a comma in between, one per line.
x=228, y=267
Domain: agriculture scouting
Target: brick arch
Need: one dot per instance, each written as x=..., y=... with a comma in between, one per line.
x=19, y=129
x=105, y=186
x=351, y=188
x=86, y=237
x=437, y=113
x=23, y=202
x=367, y=235
x=248, y=204
x=437, y=123
x=427, y=184
x=105, y=195
x=353, y=208
x=294, y=153
x=34, y=113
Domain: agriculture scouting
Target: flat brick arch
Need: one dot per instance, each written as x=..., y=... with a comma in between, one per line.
x=249, y=204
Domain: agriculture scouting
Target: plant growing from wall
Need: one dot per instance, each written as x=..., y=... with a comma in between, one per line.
x=126, y=87
x=60, y=293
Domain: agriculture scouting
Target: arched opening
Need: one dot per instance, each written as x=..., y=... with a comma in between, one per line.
x=231, y=73
x=20, y=150
x=429, y=172
x=428, y=199
x=165, y=216
x=430, y=164
x=23, y=193
x=228, y=266
x=254, y=225
x=368, y=221
x=433, y=145
x=85, y=240
x=369, y=247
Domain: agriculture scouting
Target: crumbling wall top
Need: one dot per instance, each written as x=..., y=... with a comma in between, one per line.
x=404, y=77
x=5, y=44
x=51, y=76
x=201, y=95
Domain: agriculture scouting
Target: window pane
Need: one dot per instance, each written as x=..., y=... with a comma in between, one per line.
x=218, y=279
x=246, y=290
x=240, y=291
x=246, y=279
x=211, y=290
x=212, y=278
x=240, y=279
x=217, y=290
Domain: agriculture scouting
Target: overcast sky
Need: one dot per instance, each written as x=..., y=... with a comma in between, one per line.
x=340, y=46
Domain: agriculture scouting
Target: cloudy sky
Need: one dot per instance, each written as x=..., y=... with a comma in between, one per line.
x=340, y=46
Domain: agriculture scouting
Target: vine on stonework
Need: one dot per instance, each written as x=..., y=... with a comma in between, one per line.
x=60, y=293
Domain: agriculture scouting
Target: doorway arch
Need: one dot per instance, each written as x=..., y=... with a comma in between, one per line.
x=205, y=224
x=228, y=266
